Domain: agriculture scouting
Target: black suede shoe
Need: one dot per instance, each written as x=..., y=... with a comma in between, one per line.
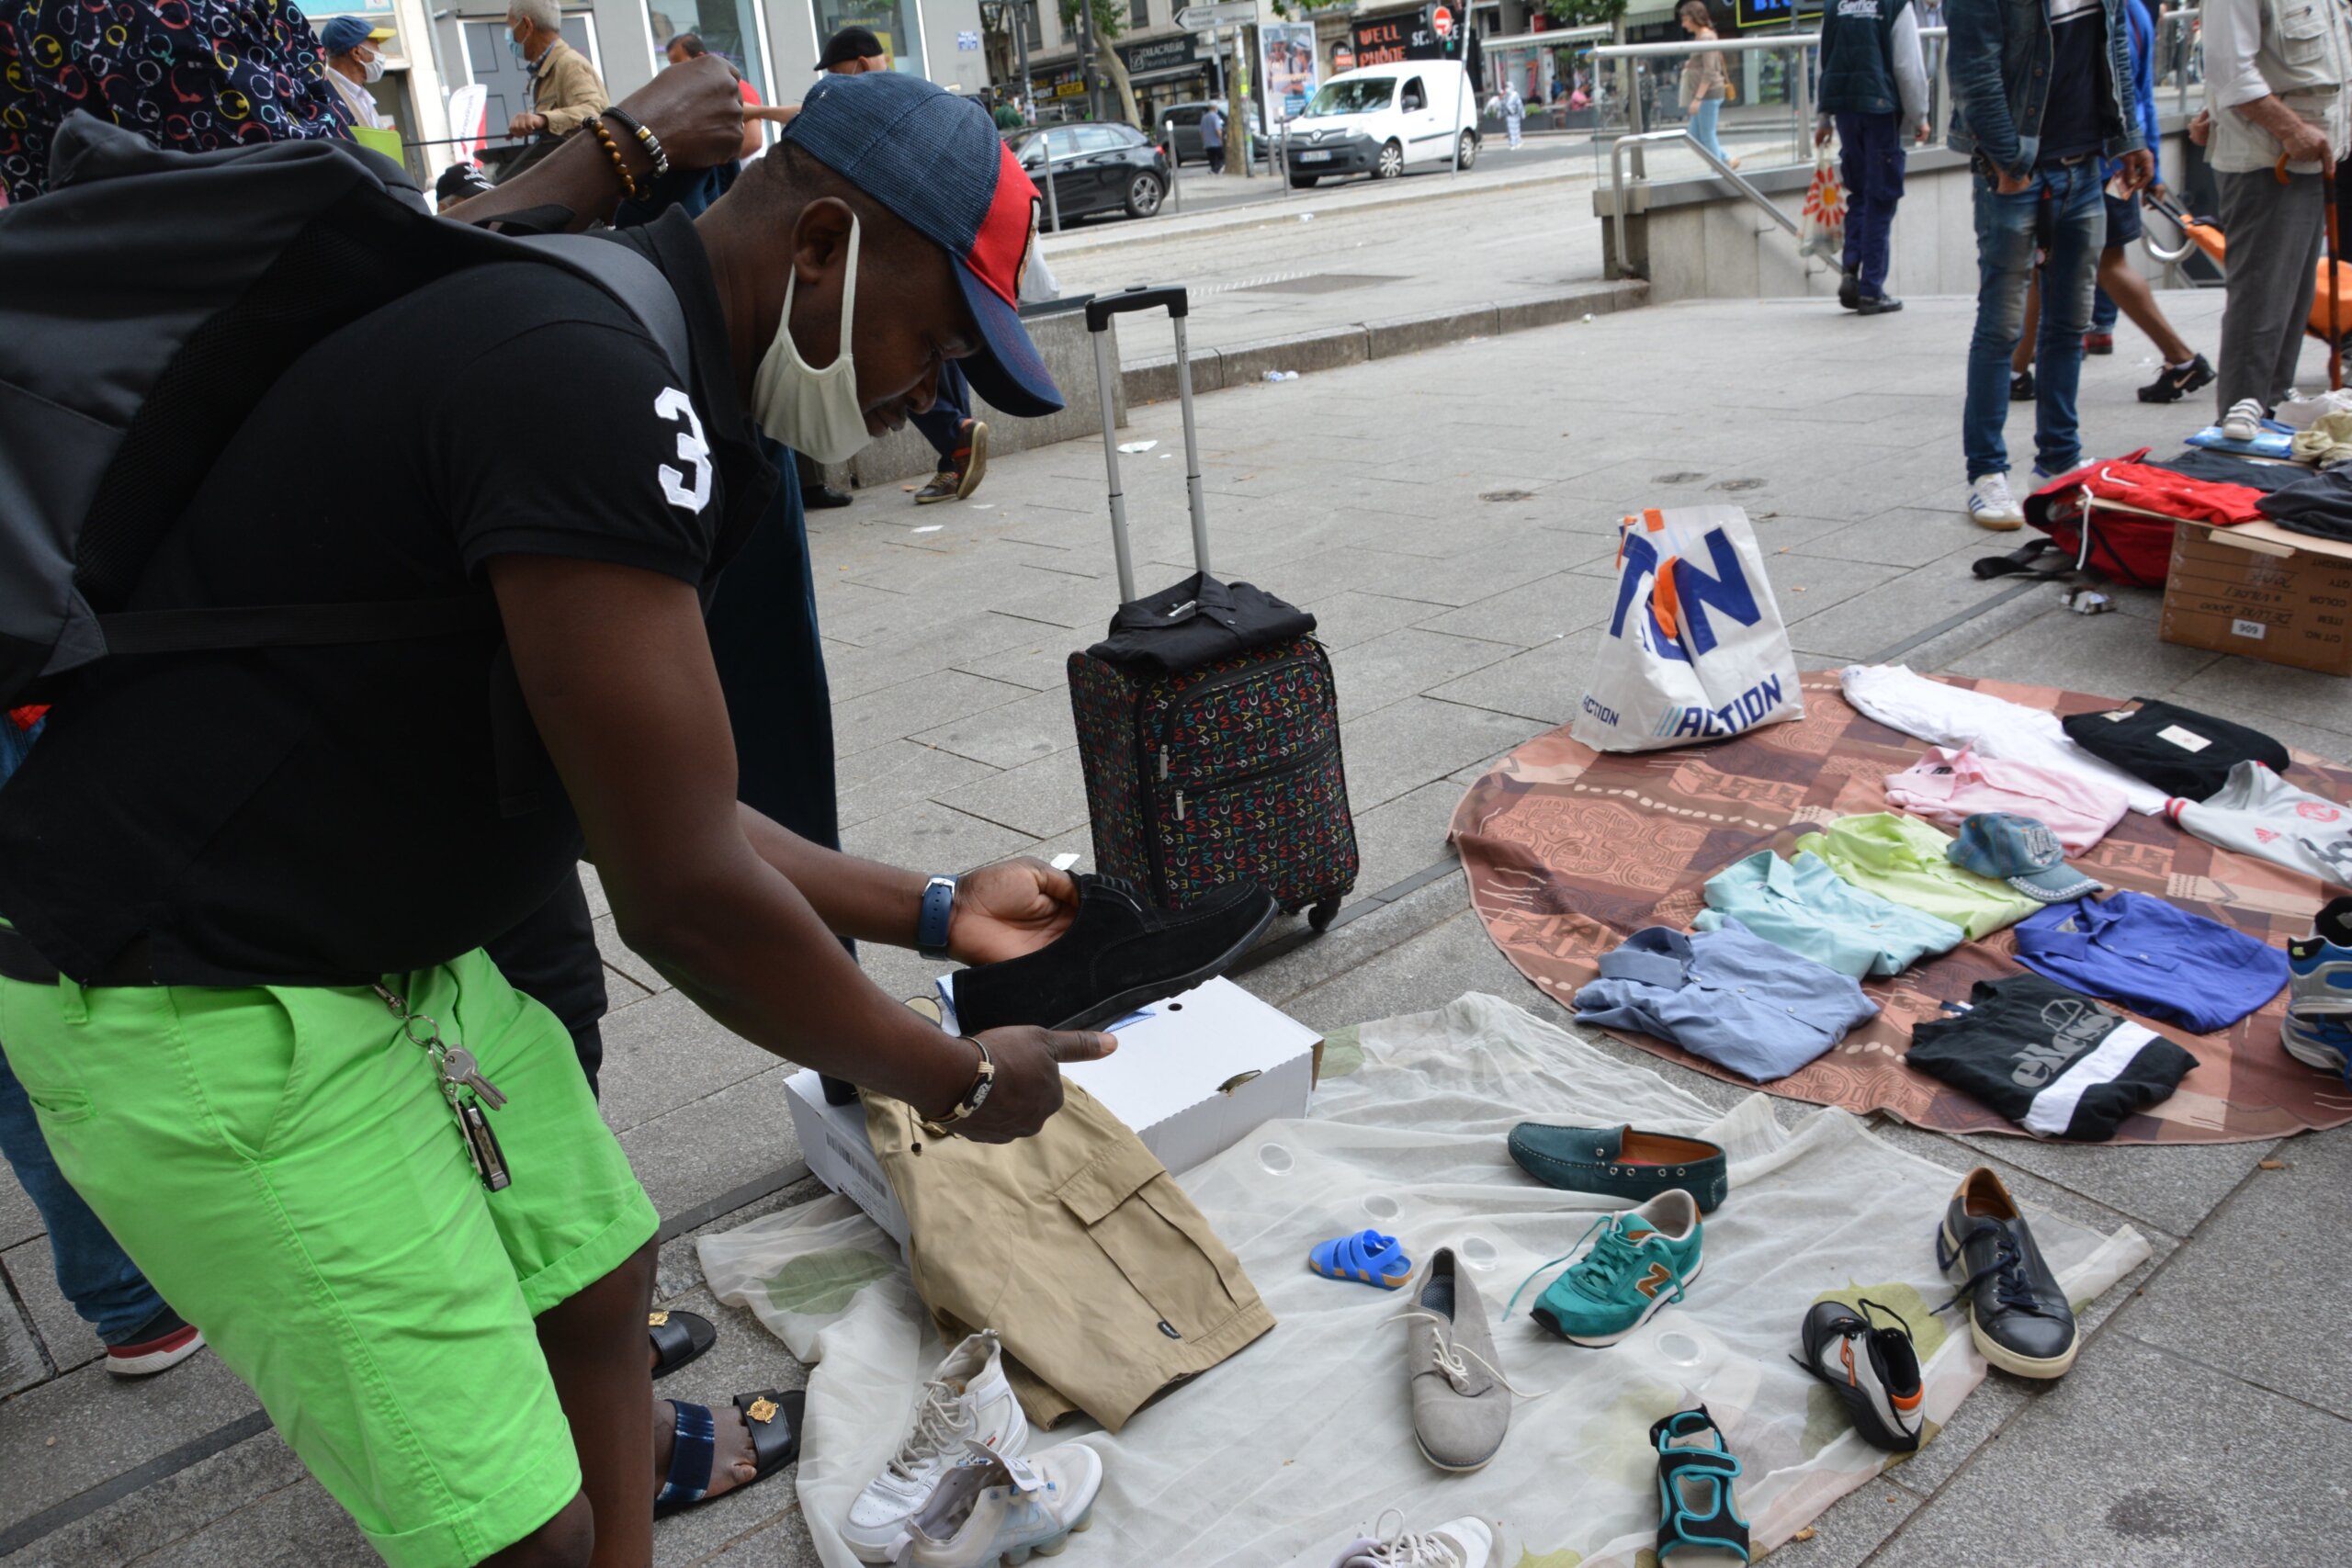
x=1849, y=290
x=2020, y=1317
x=816, y=498
x=1118, y=952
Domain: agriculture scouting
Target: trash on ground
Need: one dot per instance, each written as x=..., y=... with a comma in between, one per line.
x=1281, y=375
x=2087, y=602
x=1137, y=445
x=931, y=528
x=1065, y=859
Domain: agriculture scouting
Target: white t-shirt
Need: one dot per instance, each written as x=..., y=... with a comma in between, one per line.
x=2259, y=813
x=1992, y=726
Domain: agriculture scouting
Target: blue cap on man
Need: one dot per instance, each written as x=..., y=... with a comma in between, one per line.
x=936, y=161
x=344, y=34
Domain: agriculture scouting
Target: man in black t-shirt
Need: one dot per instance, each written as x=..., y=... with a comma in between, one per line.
x=243, y=894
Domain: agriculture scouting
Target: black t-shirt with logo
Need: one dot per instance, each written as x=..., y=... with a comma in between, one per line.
x=2050, y=1059
x=326, y=816
x=2078, y=72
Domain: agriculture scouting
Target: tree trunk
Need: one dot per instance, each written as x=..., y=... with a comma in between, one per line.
x=1117, y=70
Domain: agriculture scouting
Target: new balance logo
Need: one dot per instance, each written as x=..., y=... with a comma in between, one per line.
x=1657, y=1279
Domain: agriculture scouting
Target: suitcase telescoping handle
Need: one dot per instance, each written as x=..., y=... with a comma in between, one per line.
x=1099, y=311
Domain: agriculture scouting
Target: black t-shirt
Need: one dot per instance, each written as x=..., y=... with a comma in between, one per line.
x=330, y=815
x=2070, y=120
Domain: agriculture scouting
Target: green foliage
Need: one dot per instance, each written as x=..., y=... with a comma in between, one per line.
x=1109, y=18
x=1584, y=13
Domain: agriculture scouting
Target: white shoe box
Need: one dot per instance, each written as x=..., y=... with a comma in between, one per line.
x=1193, y=1076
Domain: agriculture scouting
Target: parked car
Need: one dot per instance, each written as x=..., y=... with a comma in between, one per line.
x=1383, y=120
x=1097, y=168
x=1183, y=122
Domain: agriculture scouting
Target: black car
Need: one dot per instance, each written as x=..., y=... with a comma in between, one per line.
x=1097, y=168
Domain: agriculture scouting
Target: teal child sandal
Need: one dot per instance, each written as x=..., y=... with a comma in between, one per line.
x=1695, y=1470
x=1367, y=1257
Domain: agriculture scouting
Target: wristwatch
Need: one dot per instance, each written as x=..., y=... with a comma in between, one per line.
x=938, y=909
x=974, y=1097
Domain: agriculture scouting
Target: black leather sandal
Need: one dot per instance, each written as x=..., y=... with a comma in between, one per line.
x=773, y=1417
x=678, y=1337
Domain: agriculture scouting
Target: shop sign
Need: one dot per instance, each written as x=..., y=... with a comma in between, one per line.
x=1157, y=54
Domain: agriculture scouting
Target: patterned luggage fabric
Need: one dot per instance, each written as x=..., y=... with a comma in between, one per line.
x=1226, y=771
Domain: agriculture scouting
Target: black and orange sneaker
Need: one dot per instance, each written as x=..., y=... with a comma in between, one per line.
x=1873, y=1370
x=164, y=1343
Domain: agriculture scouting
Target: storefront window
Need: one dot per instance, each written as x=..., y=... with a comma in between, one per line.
x=1036, y=32
x=1139, y=14
x=884, y=18
x=726, y=28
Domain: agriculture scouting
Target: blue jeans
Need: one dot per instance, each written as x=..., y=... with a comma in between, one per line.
x=1871, y=159
x=2063, y=211
x=105, y=1286
x=1704, y=115
x=949, y=409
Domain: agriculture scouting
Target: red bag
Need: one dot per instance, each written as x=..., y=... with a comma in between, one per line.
x=2115, y=516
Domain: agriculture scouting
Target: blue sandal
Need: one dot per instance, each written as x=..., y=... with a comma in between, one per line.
x=1696, y=1474
x=1366, y=1257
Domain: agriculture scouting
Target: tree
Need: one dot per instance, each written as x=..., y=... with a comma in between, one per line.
x=1110, y=20
x=1584, y=13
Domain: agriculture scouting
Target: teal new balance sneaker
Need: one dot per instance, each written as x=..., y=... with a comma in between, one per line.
x=1641, y=1260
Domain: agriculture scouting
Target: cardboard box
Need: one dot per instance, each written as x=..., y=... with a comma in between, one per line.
x=1193, y=1076
x=2261, y=591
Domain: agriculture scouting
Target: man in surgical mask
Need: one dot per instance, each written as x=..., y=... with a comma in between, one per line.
x=566, y=91
x=354, y=63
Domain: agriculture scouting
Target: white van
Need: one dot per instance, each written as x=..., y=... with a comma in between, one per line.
x=1383, y=120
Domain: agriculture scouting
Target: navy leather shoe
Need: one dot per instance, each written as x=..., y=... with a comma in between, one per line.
x=2019, y=1319
x=1618, y=1162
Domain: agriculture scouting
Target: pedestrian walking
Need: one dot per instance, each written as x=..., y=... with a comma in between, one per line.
x=566, y=91
x=961, y=441
x=2276, y=76
x=2044, y=89
x=1874, y=87
x=356, y=63
x=1512, y=109
x=1706, y=79
x=1213, y=139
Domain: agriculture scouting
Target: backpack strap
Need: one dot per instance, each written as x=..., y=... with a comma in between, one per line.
x=624, y=273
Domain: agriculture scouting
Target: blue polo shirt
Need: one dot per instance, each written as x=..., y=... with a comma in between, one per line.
x=1726, y=995
x=1804, y=906
x=2154, y=957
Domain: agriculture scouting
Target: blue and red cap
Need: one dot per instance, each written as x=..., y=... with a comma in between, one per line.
x=936, y=161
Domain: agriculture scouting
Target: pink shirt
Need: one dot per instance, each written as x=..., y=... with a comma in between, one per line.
x=1948, y=787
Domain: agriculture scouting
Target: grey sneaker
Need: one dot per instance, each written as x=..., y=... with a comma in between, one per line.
x=1461, y=1403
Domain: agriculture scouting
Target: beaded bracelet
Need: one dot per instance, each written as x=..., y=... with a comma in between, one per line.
x=613, y=150
x=652, y=142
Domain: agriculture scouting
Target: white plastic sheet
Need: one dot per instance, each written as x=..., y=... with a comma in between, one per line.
x=1283, y=1453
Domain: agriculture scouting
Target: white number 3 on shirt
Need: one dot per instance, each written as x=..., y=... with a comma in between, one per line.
x=693, y=450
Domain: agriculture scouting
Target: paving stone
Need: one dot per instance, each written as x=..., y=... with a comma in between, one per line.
x=1535, y=613
x=1404, y=663
x=1899, y=609
x=910, y=708
x=2107, y=654
x=298, y=1527
x=2262, y=1235
x=1345, y=618
x=713, y=1145
x=1357, y=943
x=136, y=1419
x=1542, y=685
x=1004, y=735
x=1405, y=745
x=620, y=958
x=1853, y=1528
x=592, y=886
x=2142, y=1460
x=178, y=1507
x=901, y=773
x=1427, y=970
x=1456, y=580
x=934, y=837
x=1039, y=661
x=32, y=1274
x=1905, y=535
x=921, y=650
x=1047, y=797
x=1404, y=835
x=2168, y=1186
x=2243, y=687
x=1808, y=585
x=22, y=1364
x=668, y=1053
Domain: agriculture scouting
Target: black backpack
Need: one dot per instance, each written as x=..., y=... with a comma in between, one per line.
x=146, y=304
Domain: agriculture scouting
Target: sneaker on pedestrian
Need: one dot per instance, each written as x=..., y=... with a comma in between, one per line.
x=1466, y=1542
x=1460, y=1399
x=164, y=1341
x=967, y=1401
x=1849, y=290
x=2021, y=386
x=1879, y=305
x=993, y=1509
x=2098, y=342
x=1990, y=505
x=2017, y=1315
x=1641, y=1260
x=1873, y=1370
x=2317, y=1030
x=2175, y=382
x=2244, y=422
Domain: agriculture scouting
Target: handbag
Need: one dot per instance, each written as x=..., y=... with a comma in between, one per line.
x=1822, y=232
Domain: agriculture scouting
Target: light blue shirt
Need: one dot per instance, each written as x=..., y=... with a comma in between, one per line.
x=1808, y=909
x=1726, y=995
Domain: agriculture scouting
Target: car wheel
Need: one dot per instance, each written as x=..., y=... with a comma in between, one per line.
x=1391, y=163
x=1469, y=149
x=1143, y=194
x=1304, y=181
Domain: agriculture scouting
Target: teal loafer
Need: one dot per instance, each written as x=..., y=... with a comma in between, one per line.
x=1618, y=1162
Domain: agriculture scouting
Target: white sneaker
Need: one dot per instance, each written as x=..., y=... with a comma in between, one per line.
x=2244, y=422
x=1990, y=505
x=1464, y=1543
x=995, y=1509
x=967, y=1400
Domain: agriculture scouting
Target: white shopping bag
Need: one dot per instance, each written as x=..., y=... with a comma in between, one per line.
x=1822, y=230
x=1695, y=649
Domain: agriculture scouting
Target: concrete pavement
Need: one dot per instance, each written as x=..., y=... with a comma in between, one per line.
x=1448, y=516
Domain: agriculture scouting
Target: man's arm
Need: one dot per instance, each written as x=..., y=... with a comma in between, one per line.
x=1910, y=70
x=579, y=96
x=1975, y=42
x=656, y=799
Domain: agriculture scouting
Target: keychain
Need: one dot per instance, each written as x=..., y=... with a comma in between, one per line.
x=465, y=1089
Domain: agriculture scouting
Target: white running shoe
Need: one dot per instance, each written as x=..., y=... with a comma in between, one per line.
x=1464, y=1543
x=967, y=1400
x=1990, y=505
x=2244, y=422
x=993, y=1509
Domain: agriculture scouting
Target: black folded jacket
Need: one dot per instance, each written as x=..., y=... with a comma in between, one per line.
x=1197, y=622
x=2181, y=751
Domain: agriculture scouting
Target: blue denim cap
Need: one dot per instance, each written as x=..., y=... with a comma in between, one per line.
x=2021, y=852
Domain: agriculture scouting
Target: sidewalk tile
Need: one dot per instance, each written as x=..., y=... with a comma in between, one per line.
x=880, y=718
x=2169, y=1187
x=1003, y=733
x=1534, y=614
x=176, y=1513
x=1346, y=617
x=21, y=1363
x=1046, y=797
x=1542, y=685
x=620, y=958
x=1399, y=747
x=20, y=1221
x=105, y=1426
x=712, y=1146
x=1389, y=669
x=32, y=1273
x=2111, y=654
x=1357, y=944
x=668, y=1052
x=898, y=774
x=935, y=838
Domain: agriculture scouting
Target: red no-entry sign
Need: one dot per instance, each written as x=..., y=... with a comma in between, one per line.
x=1442, y=22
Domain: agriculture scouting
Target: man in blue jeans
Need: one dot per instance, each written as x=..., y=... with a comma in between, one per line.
x=2041, y=91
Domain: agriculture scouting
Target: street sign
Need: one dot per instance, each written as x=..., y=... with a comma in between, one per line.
x=1225, y=14
x=1442, y=22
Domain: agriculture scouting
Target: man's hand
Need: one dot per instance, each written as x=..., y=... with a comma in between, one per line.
x=2306, y=143
x=1028, y=1087
x=2139, y=170
x=2007, y=184
x=1821, y=136
x=694, y=108
x=1007, y=909
x=527, y=124
x=1925, y=133
x=2200, y=130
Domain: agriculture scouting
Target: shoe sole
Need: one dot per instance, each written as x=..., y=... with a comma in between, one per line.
x=2001, y=1356
x=1996, y=525
x=1452, y=1468
x=1053, y=1547
x=1658, y=1302
x=154, y=1362
x=1128, y=1000
x=980, y=463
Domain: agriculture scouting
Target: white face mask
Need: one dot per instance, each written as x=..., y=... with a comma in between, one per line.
x=815, y=413
x=372, y=68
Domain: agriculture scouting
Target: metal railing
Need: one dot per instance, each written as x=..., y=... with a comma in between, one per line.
x=1625, y=144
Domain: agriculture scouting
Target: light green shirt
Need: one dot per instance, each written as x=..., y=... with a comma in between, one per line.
x=1901, y=858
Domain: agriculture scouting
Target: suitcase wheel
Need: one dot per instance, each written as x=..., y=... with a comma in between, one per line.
x=1321, y=914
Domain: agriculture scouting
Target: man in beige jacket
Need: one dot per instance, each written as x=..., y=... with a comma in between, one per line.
x=566, y=93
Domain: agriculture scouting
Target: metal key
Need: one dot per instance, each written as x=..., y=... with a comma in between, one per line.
x=458, y=1066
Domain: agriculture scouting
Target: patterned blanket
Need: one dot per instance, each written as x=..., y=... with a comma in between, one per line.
x=1570, y=850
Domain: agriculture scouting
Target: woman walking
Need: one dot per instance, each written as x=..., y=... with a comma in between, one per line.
x=1706, y=80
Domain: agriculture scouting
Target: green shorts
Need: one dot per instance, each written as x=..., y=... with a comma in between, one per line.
x=280, y=1162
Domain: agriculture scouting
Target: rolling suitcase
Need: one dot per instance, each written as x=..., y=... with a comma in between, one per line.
x=1206, y=775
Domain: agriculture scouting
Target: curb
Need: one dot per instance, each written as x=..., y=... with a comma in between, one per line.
x=1153, y=380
